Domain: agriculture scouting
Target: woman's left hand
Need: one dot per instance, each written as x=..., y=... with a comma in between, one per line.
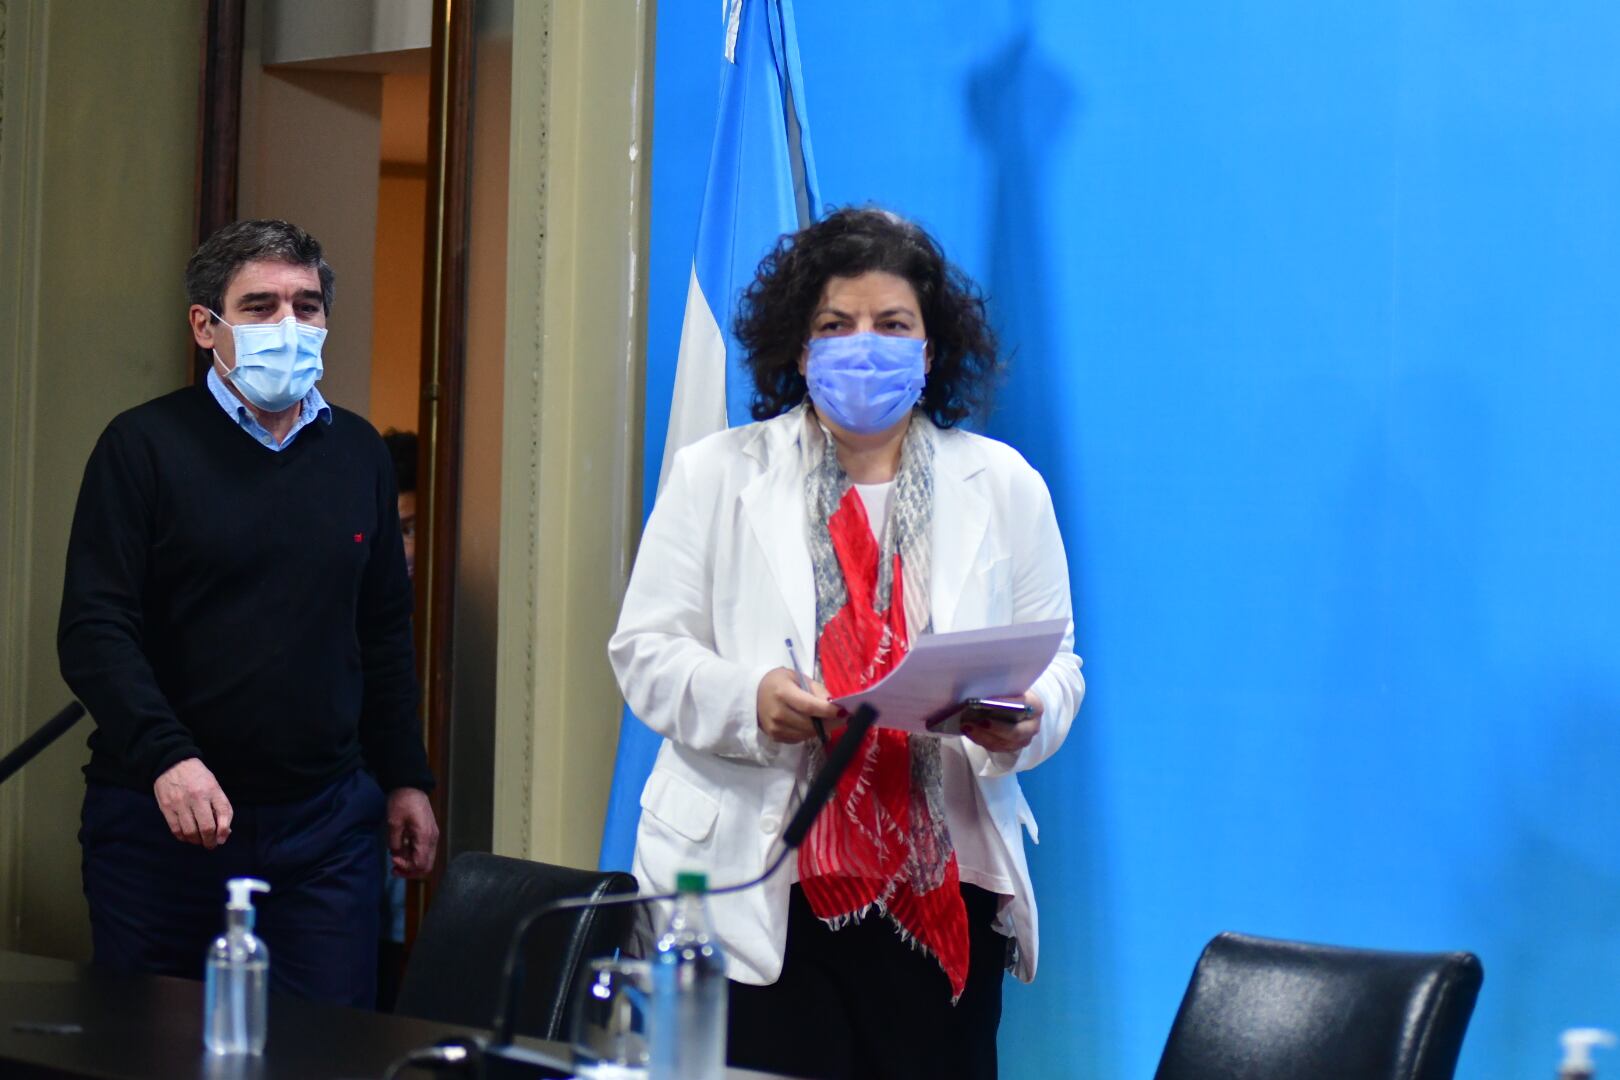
x=998, y=736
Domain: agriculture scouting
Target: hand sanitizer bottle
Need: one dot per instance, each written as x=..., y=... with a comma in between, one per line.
x=238, y=968
x=1578, y=1044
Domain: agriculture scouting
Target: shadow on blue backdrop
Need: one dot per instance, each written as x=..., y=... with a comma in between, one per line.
x=1021, y=106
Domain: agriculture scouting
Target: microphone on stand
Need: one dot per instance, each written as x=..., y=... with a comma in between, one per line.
x=503, y=1059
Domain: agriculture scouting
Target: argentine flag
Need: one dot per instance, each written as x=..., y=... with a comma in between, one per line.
x=761, y=184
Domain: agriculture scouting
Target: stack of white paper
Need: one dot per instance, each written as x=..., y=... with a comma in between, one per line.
x=923, y=694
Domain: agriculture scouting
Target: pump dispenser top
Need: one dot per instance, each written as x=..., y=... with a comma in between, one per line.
x=242, y=890
x=1578, y=1044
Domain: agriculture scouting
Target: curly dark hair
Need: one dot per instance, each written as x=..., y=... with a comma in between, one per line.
x=773, y=319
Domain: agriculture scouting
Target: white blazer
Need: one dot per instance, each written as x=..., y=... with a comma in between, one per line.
x=723, y=577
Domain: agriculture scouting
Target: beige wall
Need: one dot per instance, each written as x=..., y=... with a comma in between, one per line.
x=570, y=483
x=96, y=194
x=302, y=124
x=396, y=328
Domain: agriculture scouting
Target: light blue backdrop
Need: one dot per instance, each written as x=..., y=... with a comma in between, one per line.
x=1317, y=311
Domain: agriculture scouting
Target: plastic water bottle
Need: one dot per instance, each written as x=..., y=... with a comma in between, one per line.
x=234, y=1002
x=687, y=1033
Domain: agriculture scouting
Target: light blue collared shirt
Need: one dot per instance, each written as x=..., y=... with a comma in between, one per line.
x=313, y=406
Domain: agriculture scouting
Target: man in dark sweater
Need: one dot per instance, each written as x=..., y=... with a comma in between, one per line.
x=237, y=618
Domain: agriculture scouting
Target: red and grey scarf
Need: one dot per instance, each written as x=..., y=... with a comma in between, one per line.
x=883, y=843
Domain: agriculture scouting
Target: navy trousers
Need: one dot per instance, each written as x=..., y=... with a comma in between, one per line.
x=156, y=903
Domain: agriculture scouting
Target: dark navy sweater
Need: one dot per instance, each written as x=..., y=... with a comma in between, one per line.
x=240, y=605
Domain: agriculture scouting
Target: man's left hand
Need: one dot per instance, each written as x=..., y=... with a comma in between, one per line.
x=413, y=834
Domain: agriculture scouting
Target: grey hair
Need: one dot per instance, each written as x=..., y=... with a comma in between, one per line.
x=217, y=259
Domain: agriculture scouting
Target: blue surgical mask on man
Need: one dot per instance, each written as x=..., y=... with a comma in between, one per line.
x=865, y=383
x=276, y=363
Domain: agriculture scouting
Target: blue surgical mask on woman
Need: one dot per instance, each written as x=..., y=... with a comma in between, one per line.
x=276, y=363
x=865, y=383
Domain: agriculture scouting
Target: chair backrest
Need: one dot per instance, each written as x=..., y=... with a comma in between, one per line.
x=454, y=974
x=1258, y=1009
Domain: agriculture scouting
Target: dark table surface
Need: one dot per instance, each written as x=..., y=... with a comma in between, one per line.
x=60, y=1019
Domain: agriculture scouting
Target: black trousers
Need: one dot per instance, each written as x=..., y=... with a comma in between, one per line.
x=156, y=903
x=860, y=1002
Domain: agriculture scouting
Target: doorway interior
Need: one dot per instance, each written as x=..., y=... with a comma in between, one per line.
x=355, y=121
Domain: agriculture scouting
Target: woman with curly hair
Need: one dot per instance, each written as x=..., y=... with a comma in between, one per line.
x=854, y=516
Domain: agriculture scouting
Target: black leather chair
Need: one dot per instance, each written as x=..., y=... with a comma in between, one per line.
x=1258, y=1009
x=455, y=969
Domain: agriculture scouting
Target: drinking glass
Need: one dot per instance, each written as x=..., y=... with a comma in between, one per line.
x=610, y=1020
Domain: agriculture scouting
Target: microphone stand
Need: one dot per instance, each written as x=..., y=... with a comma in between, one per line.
x=39, y=740
x=500, y=1058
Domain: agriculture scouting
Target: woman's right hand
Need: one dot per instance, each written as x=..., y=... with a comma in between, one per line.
x=787, y=712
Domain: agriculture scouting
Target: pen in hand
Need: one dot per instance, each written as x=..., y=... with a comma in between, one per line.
x=804, y=684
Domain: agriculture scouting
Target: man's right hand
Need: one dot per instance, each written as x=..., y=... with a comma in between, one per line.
x=194, y=804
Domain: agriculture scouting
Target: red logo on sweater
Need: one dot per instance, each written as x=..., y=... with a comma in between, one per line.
x=359, y=538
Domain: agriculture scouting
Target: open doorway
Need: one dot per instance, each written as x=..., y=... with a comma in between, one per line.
x=332, y=126
x=401, y=232
x=334, y=137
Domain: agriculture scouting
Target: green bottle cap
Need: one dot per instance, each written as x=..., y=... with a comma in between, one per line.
x=692, y=881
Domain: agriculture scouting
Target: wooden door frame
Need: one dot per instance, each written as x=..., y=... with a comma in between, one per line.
x=444, y=311
x=219, y=131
